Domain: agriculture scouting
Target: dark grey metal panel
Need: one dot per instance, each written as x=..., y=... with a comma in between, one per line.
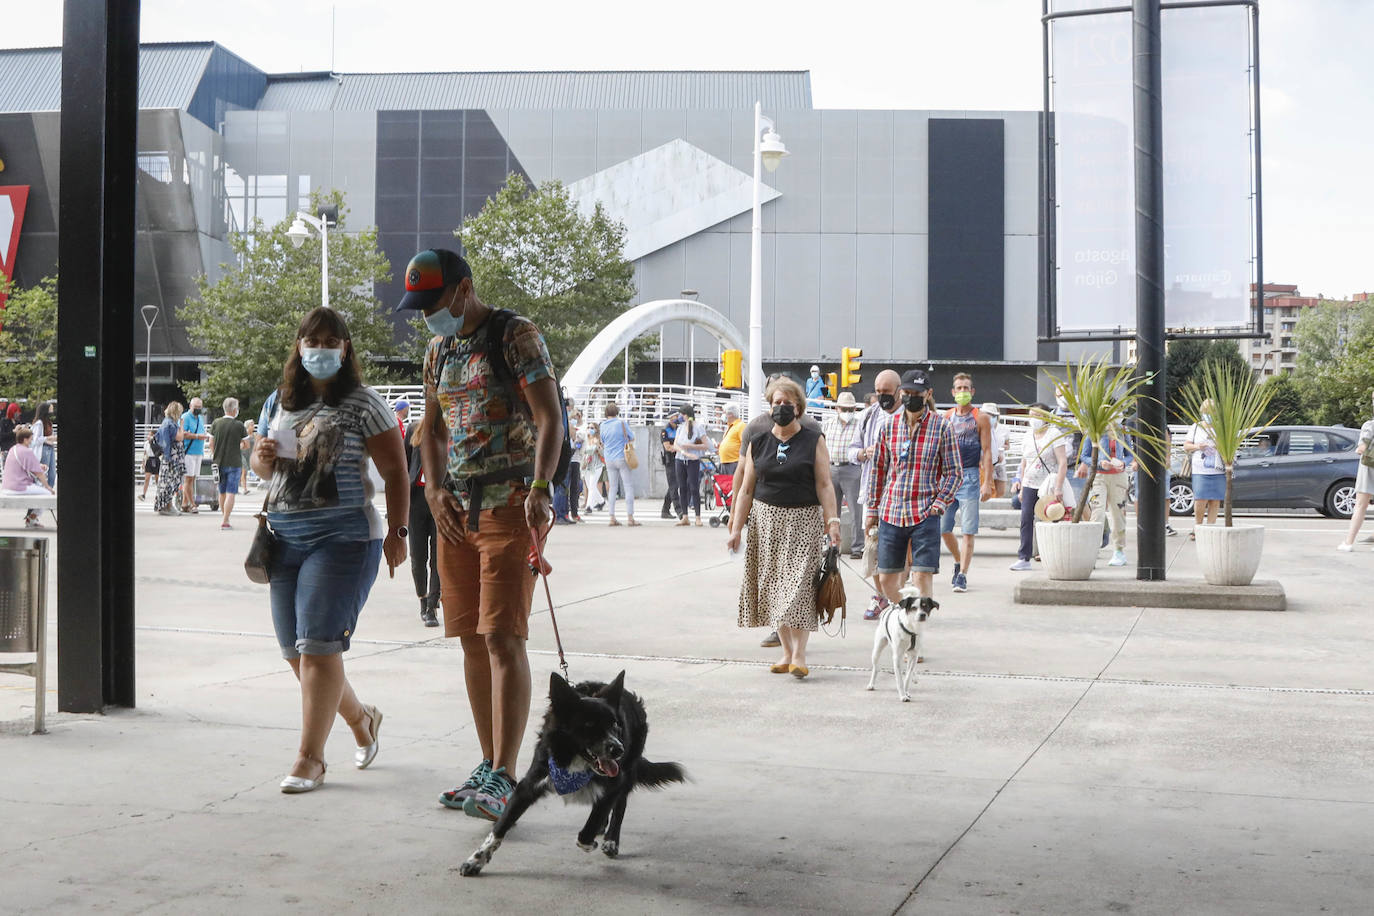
x=965, y=282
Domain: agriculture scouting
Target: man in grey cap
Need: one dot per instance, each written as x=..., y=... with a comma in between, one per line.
x=840, y=431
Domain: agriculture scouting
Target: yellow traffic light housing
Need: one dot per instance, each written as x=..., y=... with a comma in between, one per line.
x=732, y=369
x=849, y=366
x=832, y=384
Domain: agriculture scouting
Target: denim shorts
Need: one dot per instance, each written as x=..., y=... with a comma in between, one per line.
x=966, y=502
x=317, y=592
x=924, y=540
x=229, y=480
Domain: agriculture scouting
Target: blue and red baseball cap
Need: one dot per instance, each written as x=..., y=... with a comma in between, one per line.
x=428, y=274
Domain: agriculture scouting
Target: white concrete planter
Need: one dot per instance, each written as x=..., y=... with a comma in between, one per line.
x=1068, y=550
x=1229, y=556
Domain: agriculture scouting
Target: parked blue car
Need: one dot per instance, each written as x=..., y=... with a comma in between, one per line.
x=1288, y=467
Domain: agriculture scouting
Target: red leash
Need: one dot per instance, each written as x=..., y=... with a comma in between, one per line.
x=543, y=571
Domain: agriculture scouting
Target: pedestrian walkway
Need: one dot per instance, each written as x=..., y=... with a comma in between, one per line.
x=1053, y=760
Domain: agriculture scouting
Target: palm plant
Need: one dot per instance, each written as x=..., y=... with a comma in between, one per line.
x=1238, y=411
x=1099, y=399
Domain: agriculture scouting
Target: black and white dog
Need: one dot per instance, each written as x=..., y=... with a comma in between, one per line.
x=900, y=627
x=591, y=749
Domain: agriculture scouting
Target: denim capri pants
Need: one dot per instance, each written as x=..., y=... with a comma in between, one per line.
x=318, y=591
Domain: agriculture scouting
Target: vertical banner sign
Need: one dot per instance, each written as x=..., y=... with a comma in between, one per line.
x=12, y=202
x=1209, y=169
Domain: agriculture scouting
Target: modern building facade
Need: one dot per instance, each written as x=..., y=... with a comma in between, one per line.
x=914, y=235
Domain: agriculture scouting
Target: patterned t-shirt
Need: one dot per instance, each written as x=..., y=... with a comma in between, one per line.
x=325, y=491
x=490, y=428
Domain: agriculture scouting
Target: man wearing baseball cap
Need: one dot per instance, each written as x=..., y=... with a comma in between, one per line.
x=490, y=445
x=916, y=473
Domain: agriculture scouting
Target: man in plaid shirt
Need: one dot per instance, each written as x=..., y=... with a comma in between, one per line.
x=916, y=473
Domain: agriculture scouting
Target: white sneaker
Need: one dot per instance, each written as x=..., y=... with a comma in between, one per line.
x=1118, y=559
x=1345, y=548
x=1020, y=566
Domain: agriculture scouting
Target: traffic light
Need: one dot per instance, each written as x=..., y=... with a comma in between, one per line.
x=731, y=369
x=832, y=383
x=849, y=366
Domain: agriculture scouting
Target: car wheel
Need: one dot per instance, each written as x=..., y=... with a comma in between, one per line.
x=1340, y=500
x=1180, y=499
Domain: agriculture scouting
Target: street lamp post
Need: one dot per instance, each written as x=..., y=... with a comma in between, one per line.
x=768, y=152
x=149, y=316
x=298, y=233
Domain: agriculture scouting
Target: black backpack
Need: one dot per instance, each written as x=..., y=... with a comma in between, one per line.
x=495, y=351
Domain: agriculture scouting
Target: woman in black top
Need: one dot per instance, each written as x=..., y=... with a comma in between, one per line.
x=789, y=502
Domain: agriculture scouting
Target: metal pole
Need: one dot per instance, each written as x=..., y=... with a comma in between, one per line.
x=95, y=348
x=661, y=330
x=1149, y=281
x=148, y=372
x=1259, y=167
x=691, y=355
x=756, y=274
x=324, y=260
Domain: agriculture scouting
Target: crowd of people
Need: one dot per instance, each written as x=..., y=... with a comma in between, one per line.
x=473, y=488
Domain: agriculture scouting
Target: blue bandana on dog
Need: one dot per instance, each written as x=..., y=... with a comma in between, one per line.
x=566, y=783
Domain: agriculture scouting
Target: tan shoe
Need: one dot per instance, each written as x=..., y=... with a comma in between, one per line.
x=614, y=524
x=681, y=522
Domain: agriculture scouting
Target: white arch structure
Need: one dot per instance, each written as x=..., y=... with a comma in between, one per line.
x=648, y=316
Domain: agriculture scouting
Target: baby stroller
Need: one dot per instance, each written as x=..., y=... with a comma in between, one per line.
x=722, y=485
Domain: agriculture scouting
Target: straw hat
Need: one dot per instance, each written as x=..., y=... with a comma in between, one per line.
x=1049, y=509
x=846, y=399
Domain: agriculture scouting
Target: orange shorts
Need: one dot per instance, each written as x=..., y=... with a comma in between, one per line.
x=485, y=583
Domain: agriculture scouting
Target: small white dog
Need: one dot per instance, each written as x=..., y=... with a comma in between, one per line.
x=900, y=627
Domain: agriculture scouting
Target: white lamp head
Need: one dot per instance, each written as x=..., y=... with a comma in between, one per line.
x=771, y=150
x=298, y=233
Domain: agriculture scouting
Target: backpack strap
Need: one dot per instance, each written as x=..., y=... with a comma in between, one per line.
x=497, y=322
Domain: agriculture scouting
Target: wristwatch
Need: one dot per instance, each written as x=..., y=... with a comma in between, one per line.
x=539, y=484
x=402, y=531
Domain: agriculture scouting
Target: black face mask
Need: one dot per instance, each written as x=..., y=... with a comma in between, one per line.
x=784, y=414
x=914, y=401
x=887, y=401
x=198, y=411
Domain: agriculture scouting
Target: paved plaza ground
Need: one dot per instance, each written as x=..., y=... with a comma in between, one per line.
x=1054, y=760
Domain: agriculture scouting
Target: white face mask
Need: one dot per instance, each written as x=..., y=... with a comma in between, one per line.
x=1037, y=425
x=1062, y=402
x=846, y=416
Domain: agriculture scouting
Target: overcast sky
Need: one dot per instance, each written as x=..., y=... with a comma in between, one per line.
x=1318, y=115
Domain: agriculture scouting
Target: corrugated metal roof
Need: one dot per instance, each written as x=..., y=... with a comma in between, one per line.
x=31, y=78
x=540, y=90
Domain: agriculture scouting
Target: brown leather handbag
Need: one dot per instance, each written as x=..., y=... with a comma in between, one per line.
x=830, y=587
x=258, y=564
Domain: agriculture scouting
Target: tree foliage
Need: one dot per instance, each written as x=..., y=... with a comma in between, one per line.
x=1286, y=400
x=247, y=320
x=531, y=250
x=1324, y=335
x=1186, y=358
x=1336, y=362
x=28, y=342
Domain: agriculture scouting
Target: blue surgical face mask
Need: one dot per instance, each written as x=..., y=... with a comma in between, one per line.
x=322, y=362
x=444, y=323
